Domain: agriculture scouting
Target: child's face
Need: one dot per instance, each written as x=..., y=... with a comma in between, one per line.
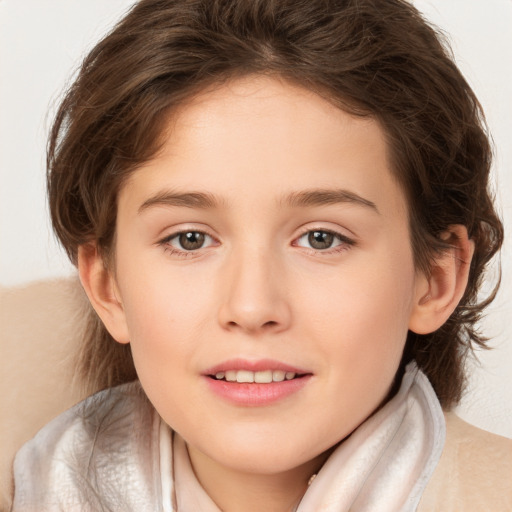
x=295, y=255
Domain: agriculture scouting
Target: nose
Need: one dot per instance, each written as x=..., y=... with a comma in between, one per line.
x=255, y=298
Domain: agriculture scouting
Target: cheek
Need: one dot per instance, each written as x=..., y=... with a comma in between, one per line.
x=163, y=327
x=170, y=317
x=361, y=319
x=162, y=318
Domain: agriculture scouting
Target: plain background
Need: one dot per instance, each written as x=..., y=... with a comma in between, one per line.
x=41, y=44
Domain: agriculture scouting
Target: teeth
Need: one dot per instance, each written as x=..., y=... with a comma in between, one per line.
x=278, y=375
x=244, y=376
x=231, y=376
x=262, y=377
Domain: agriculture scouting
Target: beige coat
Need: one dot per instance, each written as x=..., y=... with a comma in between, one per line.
x=474, y=473
x=38, y=334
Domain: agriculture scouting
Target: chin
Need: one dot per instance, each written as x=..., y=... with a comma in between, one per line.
x=265, y=457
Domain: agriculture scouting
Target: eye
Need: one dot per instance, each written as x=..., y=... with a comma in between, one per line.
x=322, y=240
x=189, y=240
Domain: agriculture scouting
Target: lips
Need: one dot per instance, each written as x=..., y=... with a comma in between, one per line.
x=255, y=383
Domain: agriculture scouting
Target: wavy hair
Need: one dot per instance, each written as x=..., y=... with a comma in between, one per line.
x=375, y=58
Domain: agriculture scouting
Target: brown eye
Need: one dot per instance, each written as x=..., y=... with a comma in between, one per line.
x=320, y=239
x=323, y=240
x=184, y=243
x=191, y=240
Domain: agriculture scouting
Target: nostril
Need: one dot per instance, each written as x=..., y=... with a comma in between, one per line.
x=270, y=325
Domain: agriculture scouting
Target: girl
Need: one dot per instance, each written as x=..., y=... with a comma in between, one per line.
x=280, y=214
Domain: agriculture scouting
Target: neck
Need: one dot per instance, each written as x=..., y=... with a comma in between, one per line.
x=236, y=491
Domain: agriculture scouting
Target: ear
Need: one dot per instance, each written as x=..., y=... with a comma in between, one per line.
x=438, y=295
x=101, y=289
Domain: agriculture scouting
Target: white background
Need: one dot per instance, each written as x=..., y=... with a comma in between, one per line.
x=41, y=44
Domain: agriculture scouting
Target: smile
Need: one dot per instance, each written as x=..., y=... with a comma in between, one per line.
x=259, y=377
x=246, y=383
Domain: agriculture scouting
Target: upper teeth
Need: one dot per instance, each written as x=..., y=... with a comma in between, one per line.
x=262, y=377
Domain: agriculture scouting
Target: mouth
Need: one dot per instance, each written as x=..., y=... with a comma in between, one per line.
x=255, y=383
x=257, y=377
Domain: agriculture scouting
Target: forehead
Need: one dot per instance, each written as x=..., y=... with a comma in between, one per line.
x=261, y=136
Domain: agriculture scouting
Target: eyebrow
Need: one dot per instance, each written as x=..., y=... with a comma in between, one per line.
x=302, y=199
x=321, y=197
x=199, y=200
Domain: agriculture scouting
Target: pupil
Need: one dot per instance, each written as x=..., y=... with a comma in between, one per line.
x=320, y=239
x=191, y=240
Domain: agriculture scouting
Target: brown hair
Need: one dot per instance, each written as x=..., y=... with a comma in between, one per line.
x=370, y=57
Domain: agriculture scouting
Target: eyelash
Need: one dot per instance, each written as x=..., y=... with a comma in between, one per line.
x=344, y=242
x=183, y=253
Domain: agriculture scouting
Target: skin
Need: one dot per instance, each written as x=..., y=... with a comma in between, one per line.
x=257, y=288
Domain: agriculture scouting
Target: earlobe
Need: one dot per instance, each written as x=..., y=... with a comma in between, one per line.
x=438, y=295
x=100, y=287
